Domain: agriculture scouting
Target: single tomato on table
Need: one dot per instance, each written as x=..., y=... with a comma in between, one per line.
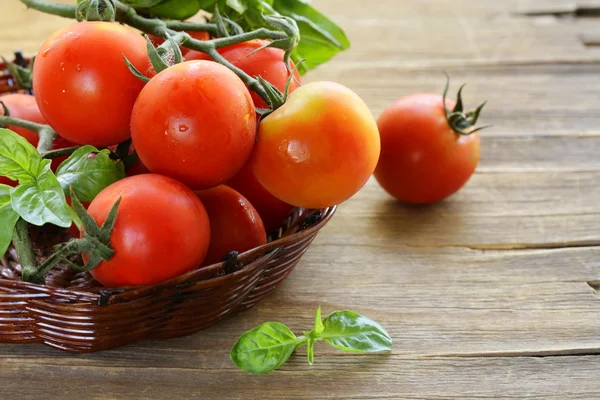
x=428, y=152
x=161, y=231
x=234, y=223
x=82, y=85
x=272, y=211
x=267, y=63
x=319, y=148
x=194, y=122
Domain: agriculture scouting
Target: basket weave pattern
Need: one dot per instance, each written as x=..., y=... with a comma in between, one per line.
x=72, y=312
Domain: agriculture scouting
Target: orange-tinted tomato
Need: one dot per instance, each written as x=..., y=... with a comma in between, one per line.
x=272, y=211
x=319, y=148
x=196, y=123
x=82, y=85
x=422, y=159
x=162, y=230
x=268, y=63
x=234, y=223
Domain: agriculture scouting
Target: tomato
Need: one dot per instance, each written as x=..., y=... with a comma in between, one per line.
x=423, y=160
x=196, y=123
x=234, y=223
x=82, y=85
x=157, y=41
x=319, y=148
x=268, y=63
x=272, y=211
x=24, y=106
x=162, y=231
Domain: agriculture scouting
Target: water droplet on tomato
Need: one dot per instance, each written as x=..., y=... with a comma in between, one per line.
x=64, y=91
x=45, y=52
x=183, y=128
x=78, y=67
x=62, y=66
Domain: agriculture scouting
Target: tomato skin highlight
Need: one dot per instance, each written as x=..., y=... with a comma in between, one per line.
x=235, y=224
x=319, y=148
x=272, y=211
x=194, y=122
x=267, y=62
x=162, y=231
x=423, y=160
x=82, y=85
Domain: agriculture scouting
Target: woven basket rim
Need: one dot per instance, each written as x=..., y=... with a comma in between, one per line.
x=267, y=250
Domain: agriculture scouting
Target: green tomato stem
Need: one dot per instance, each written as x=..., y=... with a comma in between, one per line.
x=60, y=152
x=22, y=243
x=158, y=27
x=45, y=132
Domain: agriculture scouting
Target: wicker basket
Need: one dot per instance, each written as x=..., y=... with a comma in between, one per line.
x=72, y=312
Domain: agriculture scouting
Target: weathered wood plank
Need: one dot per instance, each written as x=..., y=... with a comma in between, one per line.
x=347, y=377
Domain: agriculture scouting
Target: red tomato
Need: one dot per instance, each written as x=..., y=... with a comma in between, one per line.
x=157, y=41
x=272, y=211
x=268, y=63
x=82, y=85
x=319, y=148
x=196, y=123
x=422, y=159
x=161, y=232
x=24, y=106
x=234, y=223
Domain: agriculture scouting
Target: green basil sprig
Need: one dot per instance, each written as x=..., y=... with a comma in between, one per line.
x=268, y=346
x=39, y=198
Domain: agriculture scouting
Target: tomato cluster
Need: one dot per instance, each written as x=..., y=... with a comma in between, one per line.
x=213, y=176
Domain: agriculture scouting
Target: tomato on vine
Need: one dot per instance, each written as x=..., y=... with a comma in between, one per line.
x=319, y=148
x=82, y=84
x=194, y=122
x=255, y=59
x=428, y=152
x=161, y=231
x=234, y=223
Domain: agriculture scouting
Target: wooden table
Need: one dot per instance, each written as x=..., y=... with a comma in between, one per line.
x=489, y=295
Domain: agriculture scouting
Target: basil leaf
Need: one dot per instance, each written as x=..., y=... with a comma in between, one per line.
x=265, y=348
x=19, y=160
x=42, y=201
x=89, y=171
x=349, y=331
x=142, y=3
x=321, y=38
x=175, y=9
x=8, y=218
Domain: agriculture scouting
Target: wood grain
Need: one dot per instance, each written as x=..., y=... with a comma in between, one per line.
x=492, y=294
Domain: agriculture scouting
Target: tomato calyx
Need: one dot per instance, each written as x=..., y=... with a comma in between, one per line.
x=461, y=122
x=96, y=10
x=20, y=70
x=95, y=243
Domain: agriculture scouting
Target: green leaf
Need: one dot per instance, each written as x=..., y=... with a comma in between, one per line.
x=39, y=198
x=349, y=331
x=89, y=171
x=42, y=201
x=319, y=327
x=265, y=348
x=141, y=3
x=238, y=6
x=175, y=9
x=321, y=38
x=19, y=160
x=8, y=218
